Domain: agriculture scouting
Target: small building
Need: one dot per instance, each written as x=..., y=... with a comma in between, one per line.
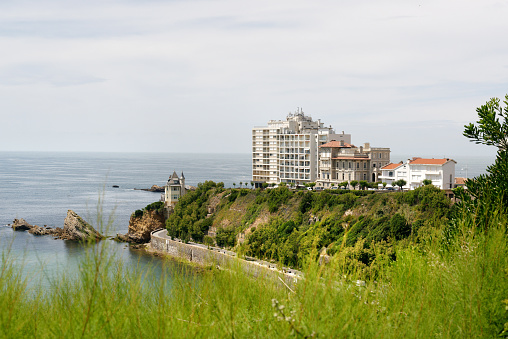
x=393, y=172
x=440, y=171
x=460, y=182
x=174, y=190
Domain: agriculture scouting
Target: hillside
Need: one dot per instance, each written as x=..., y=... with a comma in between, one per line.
x=286, y=226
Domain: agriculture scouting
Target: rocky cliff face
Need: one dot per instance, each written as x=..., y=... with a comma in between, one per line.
x=140, y=228
x=75, y=228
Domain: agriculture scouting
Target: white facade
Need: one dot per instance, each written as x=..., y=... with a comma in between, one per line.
x=174, y=190
x=287, y=150
x=440, y=171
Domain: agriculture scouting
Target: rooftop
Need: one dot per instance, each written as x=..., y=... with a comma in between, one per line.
x=421, y=161
x=335, y=143
x=391, y=166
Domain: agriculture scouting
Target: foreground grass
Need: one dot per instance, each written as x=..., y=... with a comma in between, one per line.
x=431, y=290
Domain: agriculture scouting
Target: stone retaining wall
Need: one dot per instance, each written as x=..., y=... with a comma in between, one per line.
x=218, y=257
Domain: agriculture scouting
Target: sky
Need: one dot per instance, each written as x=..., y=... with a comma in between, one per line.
x=197, y=75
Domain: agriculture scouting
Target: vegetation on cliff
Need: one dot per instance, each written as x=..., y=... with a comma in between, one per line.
x=447, y=276
x=287, y=226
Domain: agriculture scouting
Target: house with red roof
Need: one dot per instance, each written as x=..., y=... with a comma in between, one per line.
x=414, y=171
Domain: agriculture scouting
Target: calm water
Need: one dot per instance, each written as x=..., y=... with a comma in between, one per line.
x=41, y=187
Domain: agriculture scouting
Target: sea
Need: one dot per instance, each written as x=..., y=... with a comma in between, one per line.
x=41, y=187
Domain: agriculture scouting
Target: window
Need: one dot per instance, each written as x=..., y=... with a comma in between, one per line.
x=364, y=165
x=373, y=165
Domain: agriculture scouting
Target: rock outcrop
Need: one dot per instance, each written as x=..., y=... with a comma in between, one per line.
x=21, y=225
x=75, y=228
x=154, y=188
x=141, y=227
x=37, y=230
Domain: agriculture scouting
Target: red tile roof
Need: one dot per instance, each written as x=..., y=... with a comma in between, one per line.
x=335, y=143
x=460, y=181
x=391, y=166
x=420, y=161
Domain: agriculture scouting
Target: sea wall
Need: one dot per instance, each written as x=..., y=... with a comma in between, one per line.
x=200, y=254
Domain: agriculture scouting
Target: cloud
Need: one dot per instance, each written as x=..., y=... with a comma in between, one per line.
x=218, y=67
x=30, y=74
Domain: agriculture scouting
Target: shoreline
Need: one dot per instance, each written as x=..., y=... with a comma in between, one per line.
x=204, y=256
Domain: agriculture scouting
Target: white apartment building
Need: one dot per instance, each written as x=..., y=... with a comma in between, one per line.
x=440, y=171
x=287, y=150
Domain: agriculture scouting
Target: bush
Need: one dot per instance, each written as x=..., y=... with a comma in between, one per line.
x=138, y=214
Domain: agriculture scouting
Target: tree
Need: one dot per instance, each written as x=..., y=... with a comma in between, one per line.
x=234, y=184
x=363, y=184
x=401, y=183
x=241, y=183
x=384, y=184
x=353, y=183
x=252, y=184
x=490, y=130
x=264, y=185
x=486, y=194
x=427, y=182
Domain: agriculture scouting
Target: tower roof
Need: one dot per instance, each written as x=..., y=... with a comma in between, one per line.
x=182, y=177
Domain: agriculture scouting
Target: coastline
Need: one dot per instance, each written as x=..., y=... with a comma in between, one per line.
x=204, y=256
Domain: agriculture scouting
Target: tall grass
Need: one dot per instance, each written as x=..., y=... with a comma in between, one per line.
x=447, y=286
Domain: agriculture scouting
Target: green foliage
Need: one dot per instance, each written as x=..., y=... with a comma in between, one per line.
x=226, y=237
x=487, y=194
x=208, y=241
x=138, y=213
x=157, y=206
x=277, y=197
x=427, y=182
x=189, y=217
x=354, y=183
x=492, y=125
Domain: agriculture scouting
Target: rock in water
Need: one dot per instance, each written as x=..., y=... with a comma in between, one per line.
x=75, y=228
x=20, y=225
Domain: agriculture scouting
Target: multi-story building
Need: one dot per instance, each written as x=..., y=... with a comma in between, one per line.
x=287, y=150
x=440, y=171
x=342, y=162
x=174, y=190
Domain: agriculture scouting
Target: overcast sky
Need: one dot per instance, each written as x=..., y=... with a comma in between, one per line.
x=196, y=76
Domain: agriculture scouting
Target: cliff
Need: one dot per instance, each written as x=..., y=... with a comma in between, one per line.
x=141, y=224
x=286, y=225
